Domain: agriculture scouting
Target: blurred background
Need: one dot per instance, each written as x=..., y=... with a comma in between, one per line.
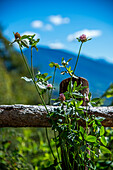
x=57, y=24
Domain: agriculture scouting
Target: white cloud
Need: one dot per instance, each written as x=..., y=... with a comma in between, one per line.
x=48, y=27
x=37, y=24
x=41, y=25
x=88, y=33
x=57, y=19
x=56, y=45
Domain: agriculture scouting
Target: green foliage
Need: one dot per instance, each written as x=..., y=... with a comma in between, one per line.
x=77, y=140
x=24, y=148
x=72, y=146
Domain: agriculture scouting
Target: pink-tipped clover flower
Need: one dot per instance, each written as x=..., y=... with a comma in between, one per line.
x=83, y=38
x=49, y=86
x=62, y=97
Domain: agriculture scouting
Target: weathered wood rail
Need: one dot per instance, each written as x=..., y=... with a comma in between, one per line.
x=36, y=116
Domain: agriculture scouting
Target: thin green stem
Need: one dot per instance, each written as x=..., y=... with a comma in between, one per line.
x=86, y=120
x=52, y=86
x=56, y=146
x=32, y=70
x=77, y=58
x=49, y=143
x=54, y=76
x=37, y=88
x=66, y=159
x=48, y=93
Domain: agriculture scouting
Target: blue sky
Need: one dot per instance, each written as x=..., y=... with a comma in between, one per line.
x=58, y=23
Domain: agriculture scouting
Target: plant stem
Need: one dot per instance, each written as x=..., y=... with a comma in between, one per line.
x=78, y=57
x=32, y=63
x=56, y=146
x=49, y=143
x=38, y=90
x=52, y=86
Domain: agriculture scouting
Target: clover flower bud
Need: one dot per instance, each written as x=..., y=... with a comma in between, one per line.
x=49, y=86
x=62, y=97
x=17, y=35
x=83, y=38
x=56, y=64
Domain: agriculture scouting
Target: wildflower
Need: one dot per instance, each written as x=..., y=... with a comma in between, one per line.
x=62, y=97
x=83, y=38
x=49, y=86
x=17, y=35
x=56, y=65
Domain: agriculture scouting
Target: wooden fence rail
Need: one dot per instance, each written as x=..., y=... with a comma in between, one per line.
x=36, y=116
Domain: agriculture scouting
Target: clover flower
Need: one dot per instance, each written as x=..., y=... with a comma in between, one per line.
x=49, y=86
x=62, y=97
x=83, y=37
x=17, y=35
x=56, y=65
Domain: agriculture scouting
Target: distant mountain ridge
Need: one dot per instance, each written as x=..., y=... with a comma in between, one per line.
x=98, y=73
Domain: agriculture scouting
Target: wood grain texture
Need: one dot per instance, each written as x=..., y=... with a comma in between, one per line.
x=36, y=116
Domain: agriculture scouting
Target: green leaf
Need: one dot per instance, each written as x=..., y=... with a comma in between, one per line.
x=81, y=129
x=33, y=44
x=38, y=40
x=98, y=122
x=51, y=64
x=24, y=43
x=69, y=60
x=105, y=150
x=27, y=79
x=25, y=37
x=46, y=79
x=62, y=58
x=33, y=35
x=89, y=39
x=63, y=72
x=95, y=99
x=36, y=48
x=74, y=86
x=69, y=87
x=103, y=140
x=102, y=131
x=79, y=103
x=41, y=85
x=91, y=138
x=45, y=74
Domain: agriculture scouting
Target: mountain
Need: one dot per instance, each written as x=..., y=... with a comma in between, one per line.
x=99, y=73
